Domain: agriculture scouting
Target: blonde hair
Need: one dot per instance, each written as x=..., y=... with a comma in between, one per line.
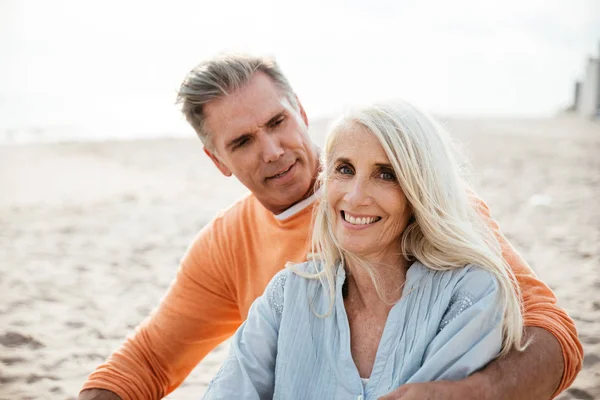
x=446, y=230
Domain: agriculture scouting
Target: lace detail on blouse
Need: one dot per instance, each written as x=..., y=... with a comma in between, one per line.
x=459, y=302
x=275, y=293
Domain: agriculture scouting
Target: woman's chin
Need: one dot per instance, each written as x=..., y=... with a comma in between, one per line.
x=357, y=249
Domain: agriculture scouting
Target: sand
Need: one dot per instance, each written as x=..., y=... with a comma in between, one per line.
x=91, y=235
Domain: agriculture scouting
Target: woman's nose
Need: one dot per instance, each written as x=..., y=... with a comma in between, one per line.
x=358, y=192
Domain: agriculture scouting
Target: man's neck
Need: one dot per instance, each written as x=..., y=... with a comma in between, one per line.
x=298, y=207
x=312, y=188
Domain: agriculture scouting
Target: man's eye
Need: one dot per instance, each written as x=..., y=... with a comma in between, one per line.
x=277, y=122
x=241, y=143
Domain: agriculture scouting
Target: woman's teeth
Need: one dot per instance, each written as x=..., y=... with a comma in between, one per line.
x=360, y=221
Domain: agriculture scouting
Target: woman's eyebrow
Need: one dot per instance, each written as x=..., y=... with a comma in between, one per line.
x=343, y=160
x=384, y=165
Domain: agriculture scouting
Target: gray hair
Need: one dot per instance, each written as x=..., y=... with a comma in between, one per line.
x=219, y=77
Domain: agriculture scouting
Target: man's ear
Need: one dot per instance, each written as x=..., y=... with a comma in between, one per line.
x=222, y=167
x=302, y=112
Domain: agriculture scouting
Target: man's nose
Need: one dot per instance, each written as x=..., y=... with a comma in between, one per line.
x=271, y=148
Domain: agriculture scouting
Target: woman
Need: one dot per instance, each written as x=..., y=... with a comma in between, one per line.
x=405, y=284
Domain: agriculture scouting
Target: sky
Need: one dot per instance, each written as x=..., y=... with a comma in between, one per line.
x=100, y=62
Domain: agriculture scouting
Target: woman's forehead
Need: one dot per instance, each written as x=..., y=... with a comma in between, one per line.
x=356, y=141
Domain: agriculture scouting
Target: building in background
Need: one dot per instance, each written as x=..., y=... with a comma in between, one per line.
x=587, y=92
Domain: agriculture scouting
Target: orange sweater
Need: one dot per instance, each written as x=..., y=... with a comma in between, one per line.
x=227, y=266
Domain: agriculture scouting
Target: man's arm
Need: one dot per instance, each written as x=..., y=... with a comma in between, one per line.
x=98, y=394
x=517, y=376
x=520, y=375
x=546, y=367
x=557, y=339
x=469, y=335
x=197, y=314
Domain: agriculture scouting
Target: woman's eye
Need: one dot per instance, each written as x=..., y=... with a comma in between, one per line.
x=345, y=170
x=388, y=176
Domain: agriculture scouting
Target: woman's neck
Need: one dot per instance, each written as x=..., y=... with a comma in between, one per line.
x=390, y=274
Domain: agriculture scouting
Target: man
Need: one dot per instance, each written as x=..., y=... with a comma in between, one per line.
x=254, y=127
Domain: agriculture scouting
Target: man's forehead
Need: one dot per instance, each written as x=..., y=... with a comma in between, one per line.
x=246, y=109
x=243, y=114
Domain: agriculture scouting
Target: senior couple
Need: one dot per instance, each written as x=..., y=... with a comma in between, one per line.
x=370, y=270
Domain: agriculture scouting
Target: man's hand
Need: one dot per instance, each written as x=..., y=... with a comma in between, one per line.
x=97, y=394
x=439, y=390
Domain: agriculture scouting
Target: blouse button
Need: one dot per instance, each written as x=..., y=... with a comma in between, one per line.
x=359, y=397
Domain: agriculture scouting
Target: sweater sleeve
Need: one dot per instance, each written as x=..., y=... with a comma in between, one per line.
x=249, y=371
x=540, y=307
x=198, y=312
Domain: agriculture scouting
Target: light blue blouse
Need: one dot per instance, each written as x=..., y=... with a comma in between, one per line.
x=447, y=325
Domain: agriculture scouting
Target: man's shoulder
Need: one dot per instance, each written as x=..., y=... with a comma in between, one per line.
x=247, y=204
x=240, y=215
x=229, y=224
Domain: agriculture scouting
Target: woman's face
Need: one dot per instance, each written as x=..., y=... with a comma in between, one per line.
x=371, y=211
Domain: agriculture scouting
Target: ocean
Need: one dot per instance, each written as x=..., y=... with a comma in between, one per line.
x=53, y=119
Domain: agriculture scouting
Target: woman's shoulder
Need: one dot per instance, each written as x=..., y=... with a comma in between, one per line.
x=290, y=282
x=311, y=266
x=456, y=289
x=478, y=279
x=472, y=278
x=293, y=271
x=299, y=272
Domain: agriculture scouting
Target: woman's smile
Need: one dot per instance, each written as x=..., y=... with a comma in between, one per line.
x=357, y=221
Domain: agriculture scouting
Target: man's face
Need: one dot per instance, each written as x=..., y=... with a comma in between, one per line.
x=260, y=138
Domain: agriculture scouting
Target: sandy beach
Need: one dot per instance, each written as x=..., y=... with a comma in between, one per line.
x=91, y=235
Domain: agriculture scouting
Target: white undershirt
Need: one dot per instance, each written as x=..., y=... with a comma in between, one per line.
x=296, y=208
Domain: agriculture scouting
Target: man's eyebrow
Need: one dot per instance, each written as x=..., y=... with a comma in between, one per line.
x=234, y=142
x=274, y=118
